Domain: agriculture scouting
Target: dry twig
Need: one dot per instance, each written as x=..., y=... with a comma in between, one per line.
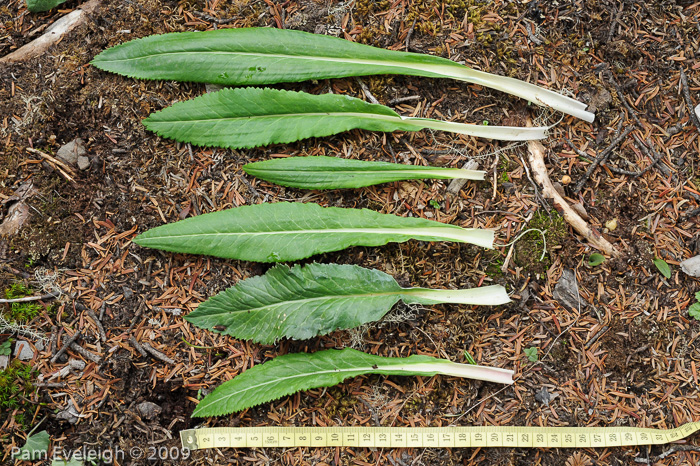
x=85, y=353
x=157, y=354
x=63, y=169
x=45, y=297
x=601, y=158
x=688, y=100
x=100, y=328
x=66, y=345
x=539, y=169
x=138, y=347
x=670, y=451
x=53, y=34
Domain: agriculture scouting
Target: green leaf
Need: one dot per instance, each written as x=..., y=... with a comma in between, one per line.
x=291, y=373
x=6, y=348
x=252, y=56
x=336, y=173
x=36, y=6
x=531, y=353
x=35, y=448
x=469, y=358
x=663, y=267
x=697, y=296
x=694, y=311
x=303, y=302
x=596, y=259
x=251, y=117
x=69, y=462
x=290, y=231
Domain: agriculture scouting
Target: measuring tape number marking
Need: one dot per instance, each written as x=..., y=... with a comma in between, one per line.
x=421, y=437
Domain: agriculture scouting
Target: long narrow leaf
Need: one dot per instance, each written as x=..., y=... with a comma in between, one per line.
x=336, y=173
x=290, y=231
x=303, y=302
x=266, y=56
x=251, y=117
x=291, y=373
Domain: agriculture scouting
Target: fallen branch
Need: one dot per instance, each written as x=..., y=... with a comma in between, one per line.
x=53, y=34
x=45, y=297
x=535, y=155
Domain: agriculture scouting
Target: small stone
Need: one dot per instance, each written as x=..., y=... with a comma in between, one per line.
x=70, y=413
x=23, y=350
x=611, y=225
x=83, y=162
x=4, y=362
x=128, y=292
x=697, y=111
x=16, y=218
x=148, y=410
x=566, y=291
x=70, y=152
x=543, y=396
x=691, y=266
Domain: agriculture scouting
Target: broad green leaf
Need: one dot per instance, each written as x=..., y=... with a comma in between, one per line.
x=6, y=347
x=694, y=311
x=35, y=447
x=697, y=296
x=36, y=6
x=252, y=56
x=251, y=117
x=67, y=462
x=663, y=267
x=287, y=231
x=336, y=173
x=303, y=302
x=291, y=373
x=596, y=259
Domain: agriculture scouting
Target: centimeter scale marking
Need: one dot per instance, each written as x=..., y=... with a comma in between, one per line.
x=441, y=437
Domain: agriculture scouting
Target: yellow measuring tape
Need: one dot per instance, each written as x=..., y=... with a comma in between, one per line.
x=421, y=437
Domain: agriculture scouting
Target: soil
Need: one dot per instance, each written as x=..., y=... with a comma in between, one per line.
x=626, y=357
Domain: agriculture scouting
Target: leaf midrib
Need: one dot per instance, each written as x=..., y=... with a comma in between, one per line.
x=384, y=231
x=379, y=172
x=308, y=300
x=359, y=61
x=377, y=116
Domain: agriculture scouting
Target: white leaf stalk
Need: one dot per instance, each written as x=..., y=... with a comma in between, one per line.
x=500, y=133
x=534, y=94
x=467, y=371
x=493, y=295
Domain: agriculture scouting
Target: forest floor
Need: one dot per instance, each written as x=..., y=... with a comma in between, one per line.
x=622, y=352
